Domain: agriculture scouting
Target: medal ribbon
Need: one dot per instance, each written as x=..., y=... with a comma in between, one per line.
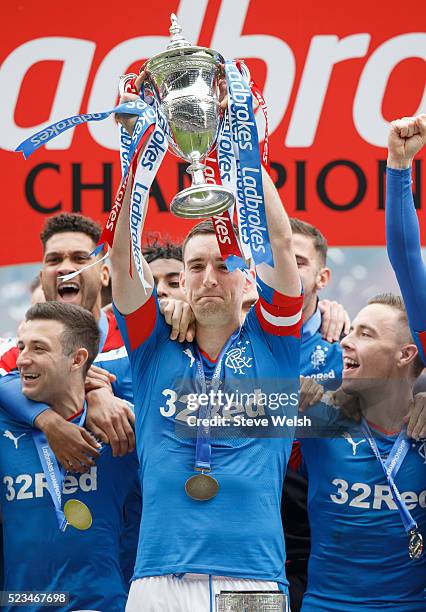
x=203, y=447
x=391, y=467
x=53, y=472
x=250, y=201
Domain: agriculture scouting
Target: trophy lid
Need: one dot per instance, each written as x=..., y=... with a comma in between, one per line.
x=179, y=46
x=177, y=40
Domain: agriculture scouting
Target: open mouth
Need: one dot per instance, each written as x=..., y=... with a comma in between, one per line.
x=29, y=377
x=68, y=291
x=350, y=364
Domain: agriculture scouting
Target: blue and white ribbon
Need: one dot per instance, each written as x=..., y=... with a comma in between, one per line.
x=250, y=201
x=203, y=446
x=391, y=467
x=149, y=163
x=34, y=142
x=54, y=474
x=226, y=159
x=128, y=147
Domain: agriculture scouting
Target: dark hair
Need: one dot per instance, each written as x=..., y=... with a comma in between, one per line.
x=205, y=228
x=81, y=329
x=156, y=249
x=306, y=229
x=70, y=222
x=396, y=302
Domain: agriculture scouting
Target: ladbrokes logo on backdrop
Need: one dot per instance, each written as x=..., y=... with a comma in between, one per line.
x=330, y=87
x=325, y=52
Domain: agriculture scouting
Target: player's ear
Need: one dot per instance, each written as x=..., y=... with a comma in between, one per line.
x=40, y=274
x=323, y=278
x=80, y=357
x=407, y=355
x=250, y=281
x=105, y=275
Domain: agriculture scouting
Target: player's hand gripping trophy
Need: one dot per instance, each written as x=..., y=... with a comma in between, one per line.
x=187, y=82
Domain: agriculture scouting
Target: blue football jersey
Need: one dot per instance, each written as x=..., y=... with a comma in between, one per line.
x=359, y=549
x=38, y=556
x=117, y=362
x=322, y=361
x=1, y=555
x=238, y=532
x=319, y=358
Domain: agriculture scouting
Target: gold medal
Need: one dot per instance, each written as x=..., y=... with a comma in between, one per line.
x=201, y=487
x=77, y=514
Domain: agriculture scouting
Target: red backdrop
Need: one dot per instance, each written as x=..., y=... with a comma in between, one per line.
x=333, y=75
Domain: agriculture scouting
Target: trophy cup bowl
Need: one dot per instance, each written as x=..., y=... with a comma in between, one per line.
x=185, y=81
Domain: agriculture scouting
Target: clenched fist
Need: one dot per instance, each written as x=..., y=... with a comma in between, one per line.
x=406, y=137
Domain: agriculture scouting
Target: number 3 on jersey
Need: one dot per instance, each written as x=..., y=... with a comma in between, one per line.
x=170, y=403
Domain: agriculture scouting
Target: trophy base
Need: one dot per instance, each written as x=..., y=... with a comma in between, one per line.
x=201, y=201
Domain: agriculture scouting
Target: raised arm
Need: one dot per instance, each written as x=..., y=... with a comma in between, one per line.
x=406, y=137
x=284, y=276
x=127, y=290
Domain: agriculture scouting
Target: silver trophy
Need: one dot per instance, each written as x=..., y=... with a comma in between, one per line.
x=185, y=81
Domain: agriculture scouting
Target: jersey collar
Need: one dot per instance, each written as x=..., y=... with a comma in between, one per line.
x=311, y=326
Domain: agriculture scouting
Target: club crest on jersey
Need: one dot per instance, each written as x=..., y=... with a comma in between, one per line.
x=318, y=357
x=237, y=360
x=354, y=444
x=10, y=436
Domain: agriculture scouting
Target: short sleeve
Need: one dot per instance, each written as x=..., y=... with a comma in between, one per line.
x=142, y=330
x=278, y=314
